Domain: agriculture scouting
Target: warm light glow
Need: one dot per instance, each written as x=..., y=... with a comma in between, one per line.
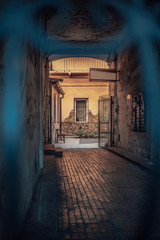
x=77, y=64
x=128, y=96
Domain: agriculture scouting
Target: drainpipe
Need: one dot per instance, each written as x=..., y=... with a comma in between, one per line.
x=50, y=113
x=61, y=114
x=40, y=118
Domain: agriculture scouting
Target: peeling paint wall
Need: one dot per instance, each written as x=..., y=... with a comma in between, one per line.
x=29, y=149
x=69, y=127
x=77, y=89
x=130, y=82
x=28, y=169
x=2, y=213
x=82, y=88
x=2, y=224
x=45, y=100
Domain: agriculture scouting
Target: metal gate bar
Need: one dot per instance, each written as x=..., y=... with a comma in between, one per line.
x=105, y=118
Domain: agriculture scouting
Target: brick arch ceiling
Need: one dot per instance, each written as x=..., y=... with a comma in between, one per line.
x=77, y=25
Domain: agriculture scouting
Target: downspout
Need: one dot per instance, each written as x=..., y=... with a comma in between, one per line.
x=61, y=113
x=50, y=112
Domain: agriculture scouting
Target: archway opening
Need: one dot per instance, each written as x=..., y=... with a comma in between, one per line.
x=78, y=89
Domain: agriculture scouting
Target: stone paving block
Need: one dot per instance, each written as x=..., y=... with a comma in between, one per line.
x=42, y=220
x=89, y=195
x=108, y=192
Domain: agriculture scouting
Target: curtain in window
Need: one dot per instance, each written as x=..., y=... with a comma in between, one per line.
x=81, y=112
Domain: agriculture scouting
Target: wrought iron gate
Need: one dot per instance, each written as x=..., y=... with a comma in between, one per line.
x=105, y=121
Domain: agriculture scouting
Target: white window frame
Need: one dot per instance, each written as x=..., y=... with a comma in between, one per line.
x=75, y=109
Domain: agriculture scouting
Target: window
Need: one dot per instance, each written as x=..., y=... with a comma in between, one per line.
x=81, y=110
x=138, y=113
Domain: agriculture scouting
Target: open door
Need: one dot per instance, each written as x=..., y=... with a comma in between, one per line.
x=105, y=121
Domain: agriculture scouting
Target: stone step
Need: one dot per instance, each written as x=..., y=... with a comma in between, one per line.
x=58, y=152
x=49, y=149
x=49, y=146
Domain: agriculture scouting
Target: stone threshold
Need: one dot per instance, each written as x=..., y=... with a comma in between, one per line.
x=73, y=136
x=82, y=149
x=137, y=160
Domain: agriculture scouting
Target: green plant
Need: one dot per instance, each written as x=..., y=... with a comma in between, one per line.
x=86, y=134
x=94, y=134
x=79, y=133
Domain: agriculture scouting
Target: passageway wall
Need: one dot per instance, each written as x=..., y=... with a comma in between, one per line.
x=45, y=99
x=2, y=185
x=130, y=84
x=1, y=201
x=26, y=167
x=29, y=150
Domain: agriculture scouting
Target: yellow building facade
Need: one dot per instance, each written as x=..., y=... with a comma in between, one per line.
x=86, y=93
x=79, y=107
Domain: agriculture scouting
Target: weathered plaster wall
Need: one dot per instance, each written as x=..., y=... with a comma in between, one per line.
x=27, y=166
x=130, y=83
x=2, y=213
x=69, y=127
x=45, y=99
x=2, y=224
x=81, y=88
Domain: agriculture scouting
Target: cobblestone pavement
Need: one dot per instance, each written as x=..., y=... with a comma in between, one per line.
x=41, y=220
x=102, y=196
x=89, y=194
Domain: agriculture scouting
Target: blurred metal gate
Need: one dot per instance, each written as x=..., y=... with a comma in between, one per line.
x=105, y=121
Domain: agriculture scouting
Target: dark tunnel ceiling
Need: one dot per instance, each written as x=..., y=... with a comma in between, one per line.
x=81, y=26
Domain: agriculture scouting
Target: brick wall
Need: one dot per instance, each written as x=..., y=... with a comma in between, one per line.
x=130, y=82
x=69, y=127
